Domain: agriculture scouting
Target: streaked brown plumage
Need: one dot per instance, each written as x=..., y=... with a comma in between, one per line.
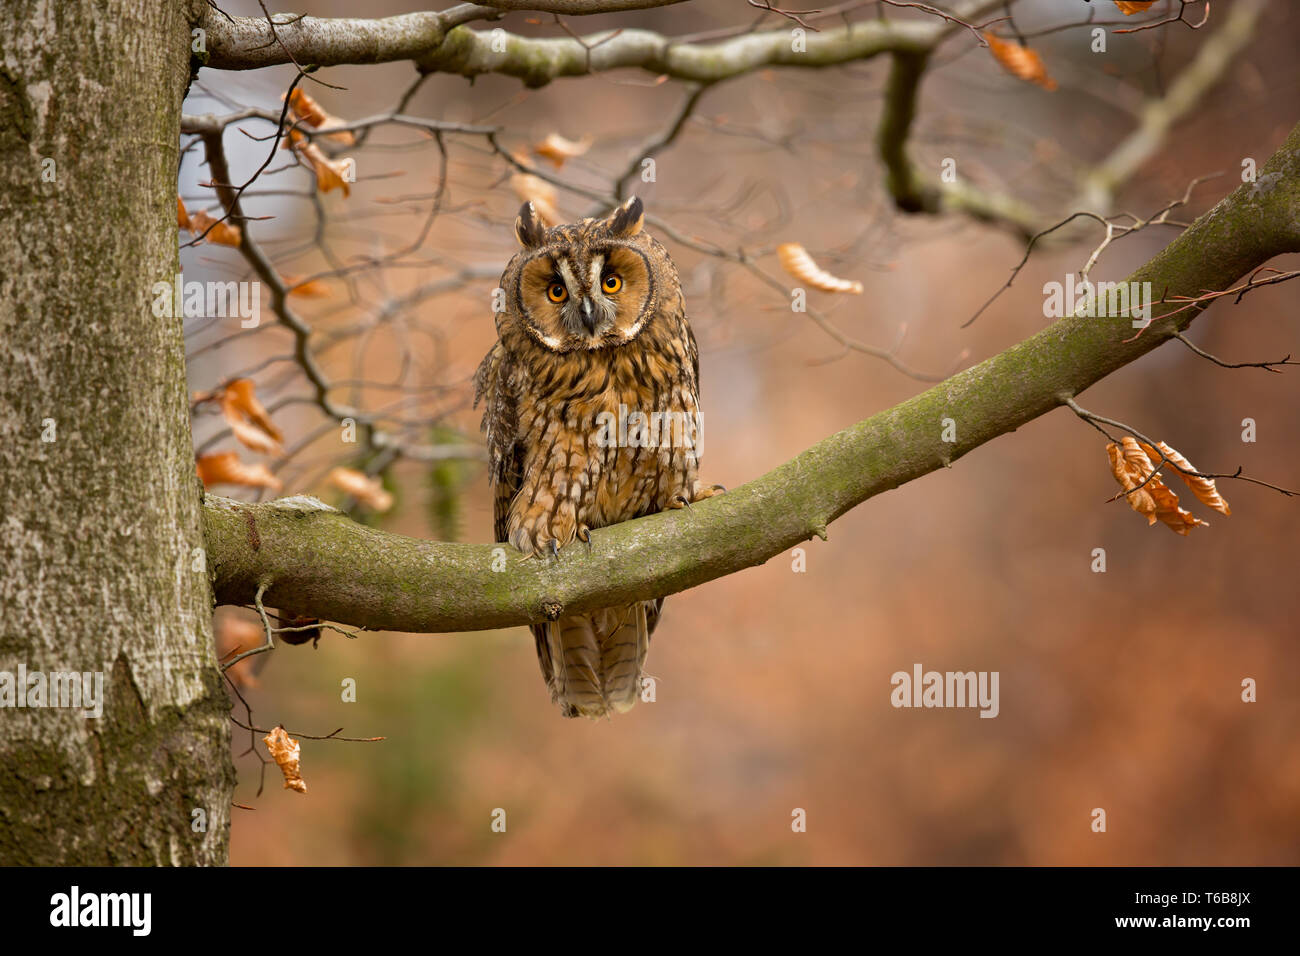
x=593, y=328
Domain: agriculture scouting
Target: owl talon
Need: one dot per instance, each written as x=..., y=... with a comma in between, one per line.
x=555, y=549
x=584, y=535
x=718, y=489
x=680, y=501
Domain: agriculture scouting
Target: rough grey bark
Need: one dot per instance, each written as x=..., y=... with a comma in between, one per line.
x=98, y=527
x=320, y=563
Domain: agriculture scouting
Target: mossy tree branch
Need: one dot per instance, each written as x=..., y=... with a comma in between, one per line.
x=322, y=563
x=439, y=42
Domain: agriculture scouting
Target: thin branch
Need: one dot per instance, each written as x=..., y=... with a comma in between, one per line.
x=1266, y=366
x=1097, y=421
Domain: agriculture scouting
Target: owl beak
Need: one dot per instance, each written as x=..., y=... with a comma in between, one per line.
x=588, y=317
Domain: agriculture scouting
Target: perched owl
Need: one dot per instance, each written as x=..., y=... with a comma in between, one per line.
x=592, y=418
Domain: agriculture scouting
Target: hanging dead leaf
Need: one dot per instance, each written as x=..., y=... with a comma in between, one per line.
x=248, y=419
x=1133, y=469
x=222, y=233
x=305, y=109
x=1130, y=7
x=1020, y=61
x=234, y=635
x=287, y=754
x=225, y=468
x=369, y=491
x=796, y=261
x=538, y=192
x=331, y=174
x=182, y=217
x=311, y=289
x=1204, y=488
x=1131, y=476
x=253, y=438
x=558, y=149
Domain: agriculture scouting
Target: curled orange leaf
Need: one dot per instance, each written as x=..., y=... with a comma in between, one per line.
x=331, y=174
x=1145, y=490
x=558, y=149
x=1204, y=488
x=287, y=754
x=222, y=232
x=1130, y=7
x=311, y=289
x=225, y=468
x=540, y=193
x=182, y=217
x=369, y=491
x=248, y=419
x=306, y=110
x=1131, y=475
x=796, y=261
x=1020, y=61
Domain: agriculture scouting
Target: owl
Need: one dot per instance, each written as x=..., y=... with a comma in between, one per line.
x=591, y=412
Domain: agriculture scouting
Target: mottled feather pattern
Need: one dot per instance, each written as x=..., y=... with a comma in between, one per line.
x=595, y=324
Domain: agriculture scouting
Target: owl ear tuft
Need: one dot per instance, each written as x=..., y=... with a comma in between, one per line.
x=628, y=218
x=529, y=228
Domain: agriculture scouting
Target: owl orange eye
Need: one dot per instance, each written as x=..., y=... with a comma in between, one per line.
x=556, y=292
x=611, y=283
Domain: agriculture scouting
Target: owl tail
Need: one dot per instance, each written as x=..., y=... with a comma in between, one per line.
x=592, y=663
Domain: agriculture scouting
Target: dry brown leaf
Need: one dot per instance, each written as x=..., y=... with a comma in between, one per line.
x=796, y=261
x=558, y=149
x=248, y=419
x=311, y=289
x=223, y=233
x=1204, y=488
x=540, y=193
x=1130, y=7
x=330, y=173
x=1130, y=475
x=182, y=217
x=225, y=468
x=253, y=438
x=287, y=754
x=369, y=491
x=235, y=635
x=1180, y=519
x=1020, y=61
x=1154, y=499
x=307, y=110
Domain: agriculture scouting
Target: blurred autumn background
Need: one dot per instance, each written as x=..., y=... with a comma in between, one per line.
x=1119, y=690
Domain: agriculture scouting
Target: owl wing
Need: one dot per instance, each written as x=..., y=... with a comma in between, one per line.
x=692, y=352
x=492, y=386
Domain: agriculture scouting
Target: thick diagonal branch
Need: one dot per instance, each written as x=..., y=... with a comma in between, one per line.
x=322, y=563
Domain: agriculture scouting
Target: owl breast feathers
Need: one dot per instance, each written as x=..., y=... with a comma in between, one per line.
x=592, y=417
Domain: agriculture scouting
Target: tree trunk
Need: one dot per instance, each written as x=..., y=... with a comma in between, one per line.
x=101, y=561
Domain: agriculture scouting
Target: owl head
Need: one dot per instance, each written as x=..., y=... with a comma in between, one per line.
x=593, y=284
